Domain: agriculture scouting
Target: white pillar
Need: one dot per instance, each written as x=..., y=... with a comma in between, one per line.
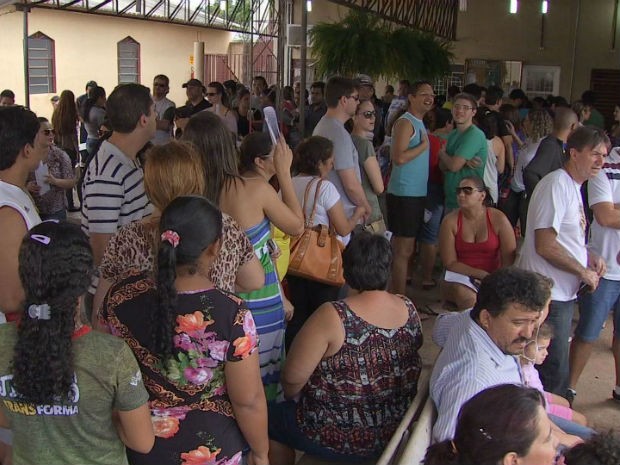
x=199, y=61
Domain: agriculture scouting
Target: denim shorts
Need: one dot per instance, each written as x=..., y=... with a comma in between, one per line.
x=283, y=428
x=595, y=307
x=433, y=214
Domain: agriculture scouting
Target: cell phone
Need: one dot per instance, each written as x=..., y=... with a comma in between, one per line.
x=271, y=120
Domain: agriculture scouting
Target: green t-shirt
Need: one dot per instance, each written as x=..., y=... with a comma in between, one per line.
x=79, y=430
x=365, y=150
x=467, y=144
x=596, y=119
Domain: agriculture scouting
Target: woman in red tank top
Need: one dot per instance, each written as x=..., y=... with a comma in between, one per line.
x=474, y=241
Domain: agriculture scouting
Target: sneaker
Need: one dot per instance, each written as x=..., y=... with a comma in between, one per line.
x=615, y=395
x=570, y=396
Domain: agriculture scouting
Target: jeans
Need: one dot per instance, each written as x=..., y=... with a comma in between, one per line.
x=554, y=372
x=570, y=427
x=594, y=309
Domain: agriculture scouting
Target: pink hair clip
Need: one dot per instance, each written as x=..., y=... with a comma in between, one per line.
x=172, y=237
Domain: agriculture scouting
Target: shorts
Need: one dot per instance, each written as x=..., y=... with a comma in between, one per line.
x=283, y=428
x=405, y=215
x=429, y=233
x=595, y=307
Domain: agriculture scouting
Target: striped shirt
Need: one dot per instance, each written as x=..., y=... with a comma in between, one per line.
x=113, y=192
x=469, y=363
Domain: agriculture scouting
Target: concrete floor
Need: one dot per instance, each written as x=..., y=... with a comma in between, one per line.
x=595, y=385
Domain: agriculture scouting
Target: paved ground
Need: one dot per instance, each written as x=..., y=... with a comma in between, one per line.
x=595, y=386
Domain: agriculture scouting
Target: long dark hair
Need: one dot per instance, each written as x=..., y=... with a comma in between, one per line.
x=64, y=118
x=55, y=266
x=256, y=144
x=197, y=224
x=216, y=145
x=494, y=422
x=95, y=94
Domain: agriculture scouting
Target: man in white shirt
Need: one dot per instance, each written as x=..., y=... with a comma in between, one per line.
x=555, y=244
x=603, y=196
x=164, y=108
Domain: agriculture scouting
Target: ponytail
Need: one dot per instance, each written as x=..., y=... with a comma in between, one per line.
x=442, y=453
x=162, y=318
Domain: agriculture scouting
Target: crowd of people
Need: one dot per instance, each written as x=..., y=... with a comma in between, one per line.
x=173, y=326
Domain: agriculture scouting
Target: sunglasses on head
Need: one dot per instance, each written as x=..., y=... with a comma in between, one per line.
x=467, y=190
x=48, y=132
x=369, y=114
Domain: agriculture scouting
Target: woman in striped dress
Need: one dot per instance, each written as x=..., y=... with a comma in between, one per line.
x=254, y=204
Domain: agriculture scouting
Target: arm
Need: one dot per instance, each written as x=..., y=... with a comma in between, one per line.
x=247, y=397
x=402, y=133
x=322, y=330
x=606, y=215
x=502, y=159
x=136, y=429
x=66, y=184
x=250, y=276
x=102, y=289
x=451, y=163
x=4, y=422
x=98, y=242
x=353, y=188
x=13, y=231
x=447, y=250
x=550, y=249
x=339, y=220
x=371, y=167
x=507, y=153
x=507, y=241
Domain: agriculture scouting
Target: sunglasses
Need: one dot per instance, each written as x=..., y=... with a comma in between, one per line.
x=212, y=94
x=467, y=190
x=48, y=132
x=369, y=114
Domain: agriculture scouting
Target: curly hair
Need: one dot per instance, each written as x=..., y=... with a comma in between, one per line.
x=198, y=224
x=367, y=262
x=56, y=274
x=310, y=153
x=601, y=449
x=65, y=116
x=491, y=424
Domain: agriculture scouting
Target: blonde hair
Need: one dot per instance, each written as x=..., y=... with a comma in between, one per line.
x=172, y=170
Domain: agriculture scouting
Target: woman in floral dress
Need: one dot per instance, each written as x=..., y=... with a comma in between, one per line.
x=196, y=346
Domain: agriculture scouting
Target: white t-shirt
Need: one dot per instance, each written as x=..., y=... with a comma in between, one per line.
x=523, y=158
x=490, y=171
x=14, y=197
x=556, y=203
x=605, y=187
x=161, y=136
x=328, y=197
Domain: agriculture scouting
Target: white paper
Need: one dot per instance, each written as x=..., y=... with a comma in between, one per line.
x=40, y=173
x=272, y=123
x=459, y=278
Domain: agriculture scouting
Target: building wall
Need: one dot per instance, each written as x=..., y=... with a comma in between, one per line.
x=86, y=48
x=577, y=35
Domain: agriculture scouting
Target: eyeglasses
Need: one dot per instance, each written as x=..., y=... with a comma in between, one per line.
x=48, y=132
x=354, y=97
x=456, y=106
x=467, y=190
x=369, y=114
x=212, y=94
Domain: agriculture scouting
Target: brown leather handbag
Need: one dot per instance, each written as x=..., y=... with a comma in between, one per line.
x=317, y=253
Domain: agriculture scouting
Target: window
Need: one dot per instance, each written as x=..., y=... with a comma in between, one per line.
x=128, y=61
x=41, y=73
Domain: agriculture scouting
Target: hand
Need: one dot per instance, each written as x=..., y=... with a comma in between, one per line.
x=282, y=157
x=255, y=459
x=358, y=213
x=510, y=127
x=33, y=188
x=596, y=263
x=289, y=309
x=474, y=163
x=590, y=278
x=181, y=122
x=51, y=180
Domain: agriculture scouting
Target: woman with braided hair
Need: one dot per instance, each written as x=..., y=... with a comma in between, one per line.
x=197, y=347
x=68, y=393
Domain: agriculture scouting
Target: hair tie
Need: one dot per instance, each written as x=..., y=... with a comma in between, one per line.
x=172, y=237
x=454, y=449
x=39, y=312
x=40, y=238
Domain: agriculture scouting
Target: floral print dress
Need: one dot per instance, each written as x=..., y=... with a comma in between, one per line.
x=191, y=412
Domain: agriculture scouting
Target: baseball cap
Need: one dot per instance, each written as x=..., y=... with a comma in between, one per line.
x=91, y=84
x=193, y=83
x=364, y=80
